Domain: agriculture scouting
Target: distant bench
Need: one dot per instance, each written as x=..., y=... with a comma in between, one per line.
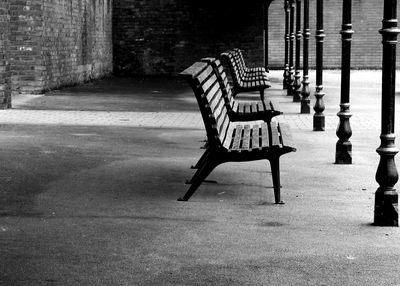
x=264, y=109
x=245, y=79
x=230, y=141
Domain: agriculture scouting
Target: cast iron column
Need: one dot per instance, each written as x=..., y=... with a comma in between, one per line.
x=343, y=132
x=305, y=92
x=286, y=71
x=297, y=81
x=386, y=197
x=266, y=45
x=290, y=88
x=319, y=107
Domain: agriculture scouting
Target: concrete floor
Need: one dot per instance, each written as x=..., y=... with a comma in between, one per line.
x=88, y=195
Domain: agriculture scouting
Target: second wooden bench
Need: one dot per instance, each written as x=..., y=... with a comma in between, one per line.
x=245, y=79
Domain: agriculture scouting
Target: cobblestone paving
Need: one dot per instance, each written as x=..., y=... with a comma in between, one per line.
x=158, y=119
x=305, y=122
x=365, y=106
x=102, y=118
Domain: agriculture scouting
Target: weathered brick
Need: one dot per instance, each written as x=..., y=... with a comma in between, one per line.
x=52, y=40
x=164, y=37
x=5, y=73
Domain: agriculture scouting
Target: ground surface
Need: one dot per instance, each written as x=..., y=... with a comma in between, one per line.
x=90, y=176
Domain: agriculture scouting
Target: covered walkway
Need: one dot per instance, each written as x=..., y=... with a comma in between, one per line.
x=90, y=176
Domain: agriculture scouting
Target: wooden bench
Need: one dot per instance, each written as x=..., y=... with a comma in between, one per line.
x=264, y=109
x=230, y=141
x=240, y=111
x=245, y=79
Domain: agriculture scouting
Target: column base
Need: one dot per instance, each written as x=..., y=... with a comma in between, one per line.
x=296, y=96
x=386, y=208
x=319, y=122
x=343, y=153
x=305, y=106
x=289, y=90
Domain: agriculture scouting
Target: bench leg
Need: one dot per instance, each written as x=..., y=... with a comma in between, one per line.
x=276, y=179
x=262, y=95
x=205, y=146
x=200, y=175
x=201, y=160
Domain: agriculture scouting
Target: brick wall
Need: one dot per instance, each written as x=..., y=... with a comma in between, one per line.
x=59, y=42
x=164, y=37
x=25, y=45
x=366, y=46
x=77, y=41
x=5, y=74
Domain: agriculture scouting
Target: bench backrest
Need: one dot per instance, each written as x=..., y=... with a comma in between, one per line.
x=223, y=79
x=207, y=89
x=236, y=65
x=240, y=57
x=239, y=60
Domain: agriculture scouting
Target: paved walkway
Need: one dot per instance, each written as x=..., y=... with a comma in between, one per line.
x=28, y=109
x=90, y=176
x=157, y=119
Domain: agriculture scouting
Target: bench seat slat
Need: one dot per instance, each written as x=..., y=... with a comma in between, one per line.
x=241, y=108
x=261, y=107
x=246, y=137
x=256, y=137
x=275, y=135
x=267, y=105
x=264, y=135
x=228, y=141
x=254, y=107
x=247, y=108
x=274, y=106
x=286, y=136
x=237, y=137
